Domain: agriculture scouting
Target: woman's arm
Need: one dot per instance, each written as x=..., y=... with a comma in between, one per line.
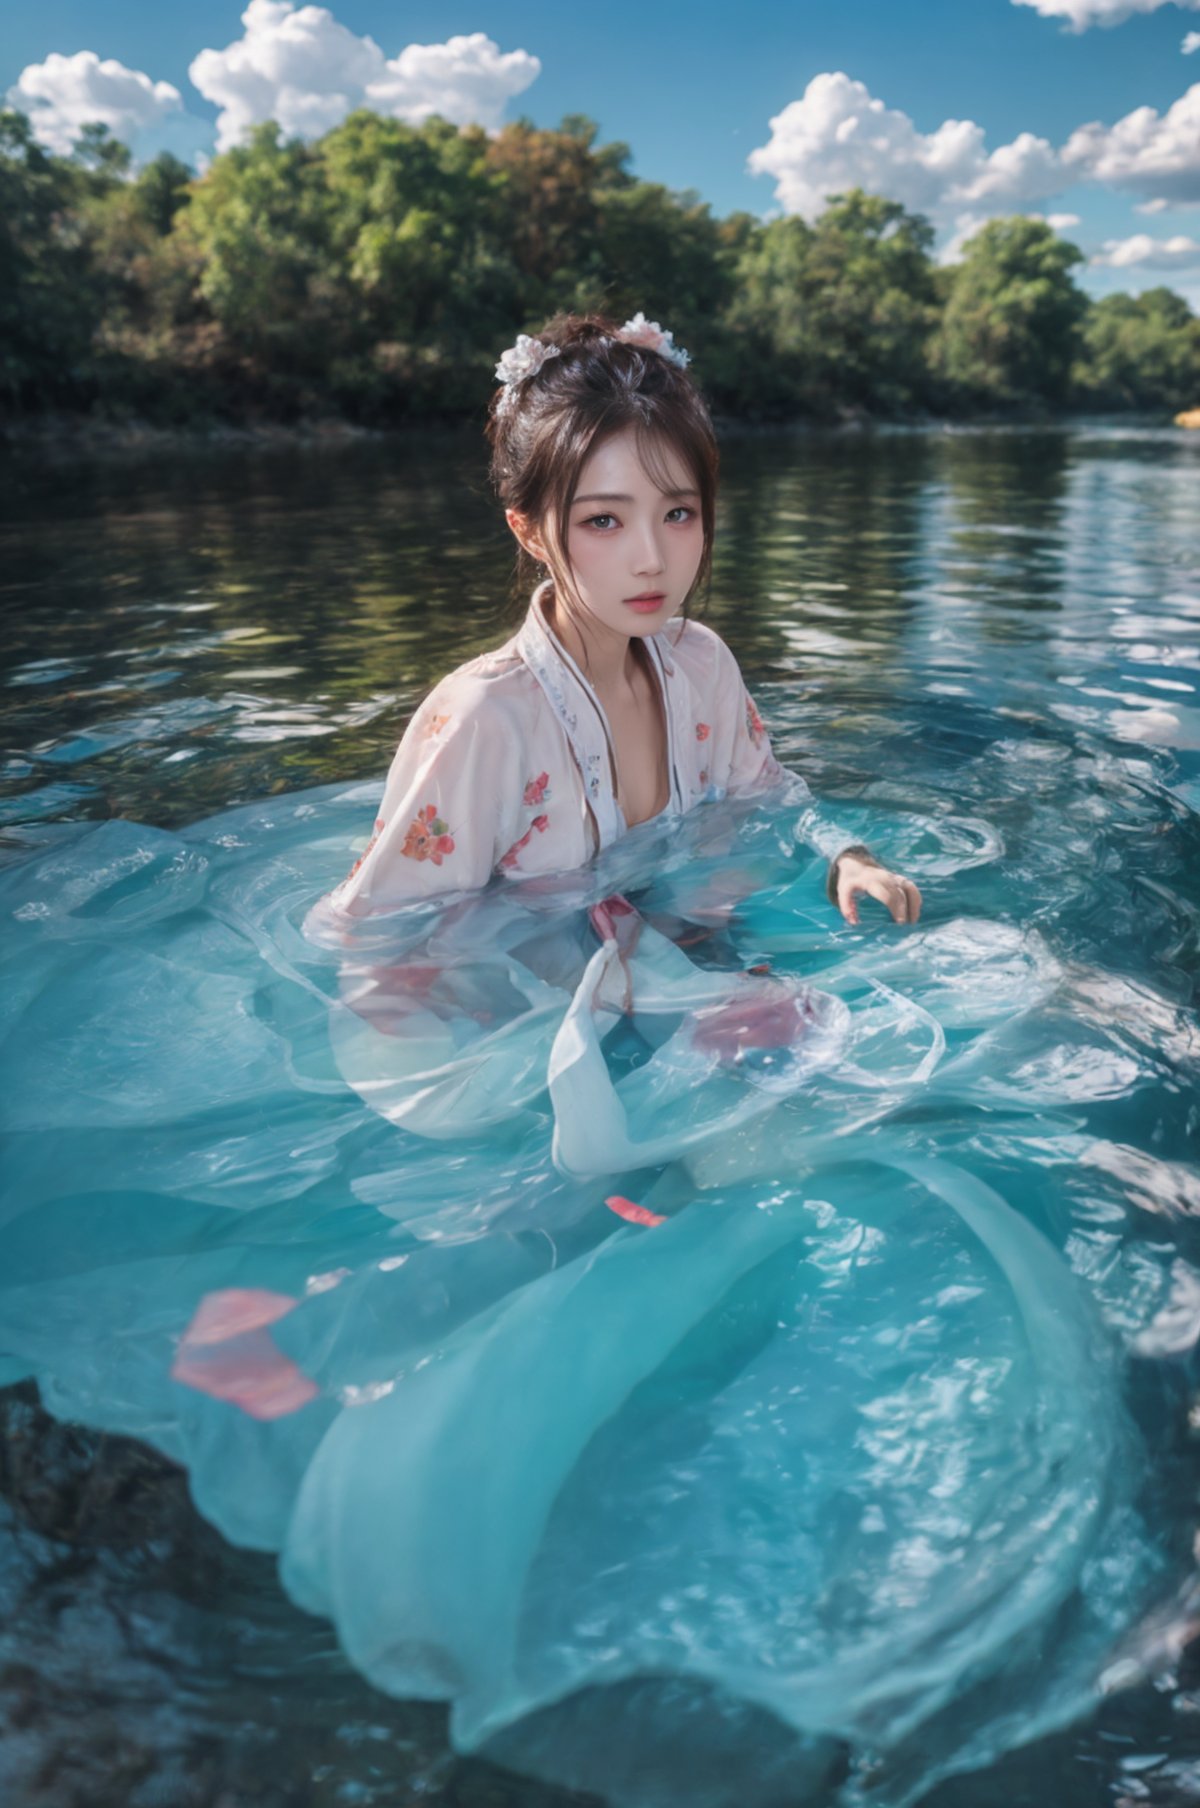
x=854, y=870
x=451, y=804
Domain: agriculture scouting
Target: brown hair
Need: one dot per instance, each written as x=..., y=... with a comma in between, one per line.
x=596, y=387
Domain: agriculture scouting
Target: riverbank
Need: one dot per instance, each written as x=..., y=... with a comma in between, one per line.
x=56, y=436
x=59, y=434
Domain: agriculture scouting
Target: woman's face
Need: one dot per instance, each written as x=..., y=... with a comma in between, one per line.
x=633, y=549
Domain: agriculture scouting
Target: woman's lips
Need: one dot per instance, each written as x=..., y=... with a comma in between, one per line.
x=645, y=605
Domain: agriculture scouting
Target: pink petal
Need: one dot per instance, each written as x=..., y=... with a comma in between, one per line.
x=228, y=1352
x=634, y=1214
x=232, y=1310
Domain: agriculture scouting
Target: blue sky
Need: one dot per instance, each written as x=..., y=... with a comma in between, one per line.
x=1085, y=111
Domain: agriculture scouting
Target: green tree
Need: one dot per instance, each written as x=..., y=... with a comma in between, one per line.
x=408, y=211
x=838, y=314
x=546, y=205
x=103, y=156
x=768, y=371
x=1010, y=329
x=379, y=269
x=1139, y=351
x=427, y=282
x=258, y=222
x=658, y=251
x=49, y=305
x=163, y=188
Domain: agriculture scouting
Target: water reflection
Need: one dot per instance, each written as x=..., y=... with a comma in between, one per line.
x=821, y=549
x=205, y=611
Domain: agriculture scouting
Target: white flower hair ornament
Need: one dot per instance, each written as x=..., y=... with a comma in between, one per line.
x=640, y=331
x=523, y=359
x=526, y=357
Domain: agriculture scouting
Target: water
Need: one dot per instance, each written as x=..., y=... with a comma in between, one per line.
x=963, y=637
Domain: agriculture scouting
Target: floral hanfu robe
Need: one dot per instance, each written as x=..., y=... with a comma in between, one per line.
x=508, y=766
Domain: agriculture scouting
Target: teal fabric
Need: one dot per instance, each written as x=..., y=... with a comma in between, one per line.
x=814, y=1470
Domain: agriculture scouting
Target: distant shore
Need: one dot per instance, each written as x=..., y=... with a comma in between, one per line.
x=64, y=435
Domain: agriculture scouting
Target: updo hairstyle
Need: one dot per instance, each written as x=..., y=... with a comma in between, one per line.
x=597, y=386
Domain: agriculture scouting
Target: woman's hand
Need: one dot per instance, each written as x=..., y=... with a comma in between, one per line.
x=855, y=871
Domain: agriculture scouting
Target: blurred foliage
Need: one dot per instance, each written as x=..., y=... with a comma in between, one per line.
x=377, y=272
x=1012, y=317
x=838, y=315
x=1140, y=351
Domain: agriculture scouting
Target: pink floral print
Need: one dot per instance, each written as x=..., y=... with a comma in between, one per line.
x=482, y=763
x=428, y=837
x=510, y=860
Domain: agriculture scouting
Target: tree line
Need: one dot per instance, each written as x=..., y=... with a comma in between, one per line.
x=377, y=273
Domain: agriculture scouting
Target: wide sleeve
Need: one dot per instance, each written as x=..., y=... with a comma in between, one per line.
x=451, y=804
x=751, y=765
x=752, y=762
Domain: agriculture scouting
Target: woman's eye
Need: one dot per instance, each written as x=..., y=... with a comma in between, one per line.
x=597, y=520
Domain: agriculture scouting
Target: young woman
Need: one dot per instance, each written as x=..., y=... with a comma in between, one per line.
x=609, y=706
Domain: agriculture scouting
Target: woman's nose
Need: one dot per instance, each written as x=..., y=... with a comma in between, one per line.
x=649, y=554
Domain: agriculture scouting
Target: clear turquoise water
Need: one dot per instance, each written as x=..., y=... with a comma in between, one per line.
x=981, y=650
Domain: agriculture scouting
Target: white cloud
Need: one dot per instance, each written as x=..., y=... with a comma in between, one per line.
x=1079, y=14
x=1190, y=43
x=1156, y=154
x=304, y=69
x=1062, y=222
x=1159, y=206
x=64, y=93
x=1178, y=253
x=838, y=136
x=466, y=79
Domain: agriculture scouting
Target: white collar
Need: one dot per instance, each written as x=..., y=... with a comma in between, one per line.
x=581, y=714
